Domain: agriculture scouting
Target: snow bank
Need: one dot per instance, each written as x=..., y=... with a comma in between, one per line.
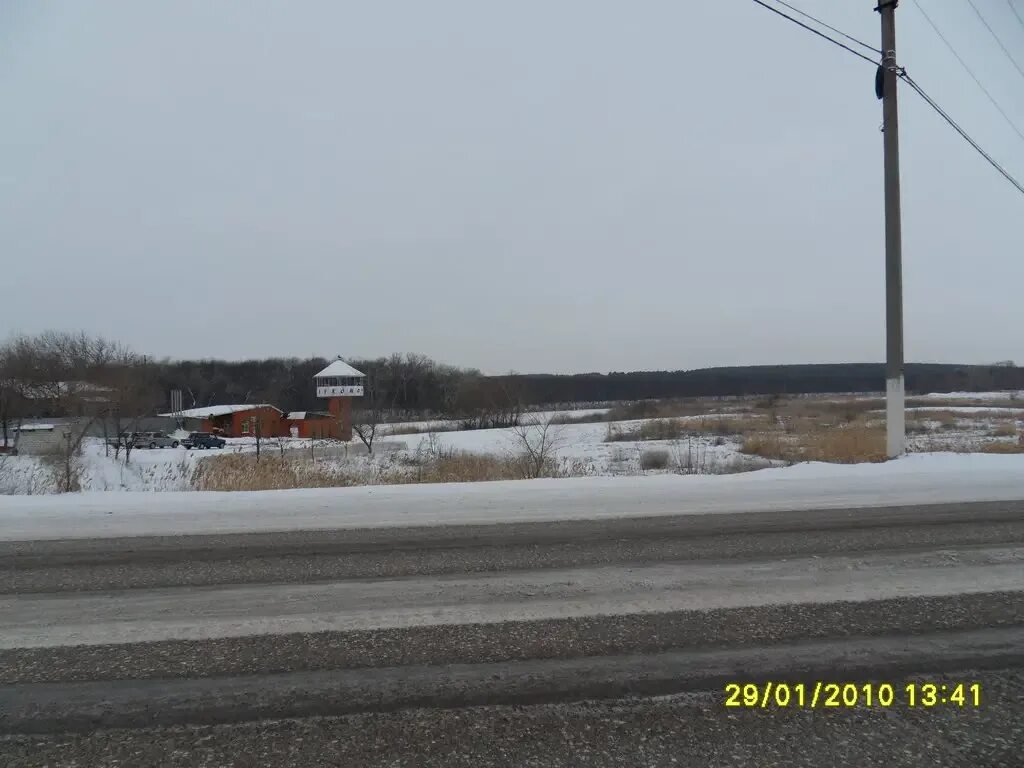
x=1009, y=409
x=1004, y=395
x=915, y=479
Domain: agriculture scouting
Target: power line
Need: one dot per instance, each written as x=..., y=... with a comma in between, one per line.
x=819, y=34
x=931, y=102
x=963, y=64
x=1015, y=13
x=826, y=26
x=996, y=37
x=902, y=73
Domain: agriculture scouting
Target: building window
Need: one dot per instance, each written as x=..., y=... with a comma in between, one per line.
x=245, y=427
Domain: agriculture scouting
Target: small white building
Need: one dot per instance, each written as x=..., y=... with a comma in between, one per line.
x=339, y=379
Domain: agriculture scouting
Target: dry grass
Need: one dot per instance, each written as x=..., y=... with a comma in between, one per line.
x=673, y=429
x=580, y=418
x=655, y=429
x=417, y=429
x=728, y=425
x=1005, y=430
x=460, y=467
x=767, y=445
x=1002, y=448
x=915, y=425
x=833, y=411
x=849, y=444
x=241, y=472
x=668, y=409
x=946, y=419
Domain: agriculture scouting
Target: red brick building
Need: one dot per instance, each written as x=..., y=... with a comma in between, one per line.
x=338, y=383
x=235, y=420
x=312, y=424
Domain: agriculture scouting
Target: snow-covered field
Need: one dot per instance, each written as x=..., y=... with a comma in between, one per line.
x=982, y=396
x=581, y=446
x=914, y=479
x=1006, y=410
x=580, y=449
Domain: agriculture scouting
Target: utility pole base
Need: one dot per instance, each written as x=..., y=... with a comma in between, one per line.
x=895, y=440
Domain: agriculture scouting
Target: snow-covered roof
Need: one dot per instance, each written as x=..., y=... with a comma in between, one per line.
x=338, y=368
x=300, y=415
x=211, y=411
x=296, y=415
x=35, y=428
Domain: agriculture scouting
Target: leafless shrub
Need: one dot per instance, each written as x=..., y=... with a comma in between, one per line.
x=7, y=485
x=656, y=458
x=65, y=466
x=690, y=457
x=536, y=445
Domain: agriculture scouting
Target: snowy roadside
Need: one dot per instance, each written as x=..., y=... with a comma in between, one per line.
x=912, y=480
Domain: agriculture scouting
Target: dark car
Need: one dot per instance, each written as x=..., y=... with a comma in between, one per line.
x=203, y=440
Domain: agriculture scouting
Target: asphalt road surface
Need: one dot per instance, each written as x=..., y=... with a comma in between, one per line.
x=603, y=642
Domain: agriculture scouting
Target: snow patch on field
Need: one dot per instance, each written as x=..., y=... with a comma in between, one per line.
x=1009, y=409
x=912, y=480
x=581, y=450
x=1003, y=395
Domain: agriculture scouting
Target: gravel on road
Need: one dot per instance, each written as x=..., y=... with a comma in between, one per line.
x=511, y=641
x=672, y=731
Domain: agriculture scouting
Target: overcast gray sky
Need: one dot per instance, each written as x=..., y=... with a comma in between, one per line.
x=579, y=185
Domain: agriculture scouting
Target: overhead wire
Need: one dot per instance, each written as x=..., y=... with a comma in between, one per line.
x=1015, y=12
x=996, y=37
x=818, y=21
x=817, y=32
x=902, y=74
x=969, y=71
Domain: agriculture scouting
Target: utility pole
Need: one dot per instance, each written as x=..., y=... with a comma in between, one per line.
x=895, y=433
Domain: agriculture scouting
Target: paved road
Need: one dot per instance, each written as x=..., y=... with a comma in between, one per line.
x=601, y=643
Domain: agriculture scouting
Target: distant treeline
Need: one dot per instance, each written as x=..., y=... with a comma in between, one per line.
x=413, y=384
x=767, y=379
x=59, y=373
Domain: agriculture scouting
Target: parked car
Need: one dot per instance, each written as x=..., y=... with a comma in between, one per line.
x=203, y=440
x=155, y=440
x=146, y=440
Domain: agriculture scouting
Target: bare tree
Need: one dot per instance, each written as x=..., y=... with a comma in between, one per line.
x=13, y=367
x=373, y=408
x=257, y=430
x=65, y=458
x=129, y=395
x=536, y=443
x=70, y=375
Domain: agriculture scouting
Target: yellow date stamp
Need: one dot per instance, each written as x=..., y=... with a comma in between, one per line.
x=835, y=695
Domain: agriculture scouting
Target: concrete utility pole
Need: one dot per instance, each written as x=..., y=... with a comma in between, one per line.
x=895, y=433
